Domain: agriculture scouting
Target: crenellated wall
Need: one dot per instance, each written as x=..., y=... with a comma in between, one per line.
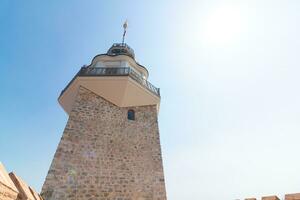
x=13, y=187
x=295, y=196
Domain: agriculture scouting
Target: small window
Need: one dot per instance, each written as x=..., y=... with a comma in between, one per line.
x=131, y=115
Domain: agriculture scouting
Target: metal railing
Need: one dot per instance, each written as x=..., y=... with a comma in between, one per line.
x=118, y=71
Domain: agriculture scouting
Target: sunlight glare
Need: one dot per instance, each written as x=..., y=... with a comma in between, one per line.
x=222, y=25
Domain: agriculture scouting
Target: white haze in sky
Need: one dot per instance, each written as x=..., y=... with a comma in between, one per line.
x=237, y=126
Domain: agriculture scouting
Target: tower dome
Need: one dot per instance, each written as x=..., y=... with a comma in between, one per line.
x=120, y=49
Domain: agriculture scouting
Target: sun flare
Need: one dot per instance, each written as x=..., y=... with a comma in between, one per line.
x=222, y=25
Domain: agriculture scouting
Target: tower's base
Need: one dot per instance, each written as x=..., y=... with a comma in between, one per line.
x=103, y=155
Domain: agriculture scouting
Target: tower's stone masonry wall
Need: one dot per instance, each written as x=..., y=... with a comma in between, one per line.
x=104, y=156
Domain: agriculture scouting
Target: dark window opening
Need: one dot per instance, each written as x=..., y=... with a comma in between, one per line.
x=131, y=115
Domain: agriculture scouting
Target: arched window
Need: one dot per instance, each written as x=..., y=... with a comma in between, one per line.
x=131, y=115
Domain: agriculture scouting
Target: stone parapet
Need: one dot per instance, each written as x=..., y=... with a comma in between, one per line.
x=13, y=187
x=6, y=193
x=8, y=190
x=25, y=192
x=295, y=196
x=270, y=198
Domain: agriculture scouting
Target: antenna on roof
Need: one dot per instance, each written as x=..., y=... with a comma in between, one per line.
x=124, y=33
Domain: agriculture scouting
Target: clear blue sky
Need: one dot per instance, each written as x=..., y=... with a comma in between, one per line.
x=228, y=73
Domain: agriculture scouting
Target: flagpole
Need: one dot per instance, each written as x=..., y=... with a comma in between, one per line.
x=124, y=33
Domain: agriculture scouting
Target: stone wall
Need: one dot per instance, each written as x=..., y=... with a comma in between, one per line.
x=270, y=198
x=103, y=155
x=6, y=193
x=8, y=190
x=13, y=187
x=25, y=192
x=295, y=196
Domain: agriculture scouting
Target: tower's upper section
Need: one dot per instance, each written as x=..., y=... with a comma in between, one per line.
x=119, y=55
x=115, y=76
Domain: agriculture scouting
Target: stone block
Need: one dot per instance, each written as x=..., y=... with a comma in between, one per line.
x=36, y=195
x=24, y=190
x=295, y=196
x=8, y=191
x=270, y=198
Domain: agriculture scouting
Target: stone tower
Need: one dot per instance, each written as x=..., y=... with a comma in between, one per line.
x=110, y=148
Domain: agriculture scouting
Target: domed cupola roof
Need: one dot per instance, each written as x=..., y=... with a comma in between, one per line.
x=120, y=49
